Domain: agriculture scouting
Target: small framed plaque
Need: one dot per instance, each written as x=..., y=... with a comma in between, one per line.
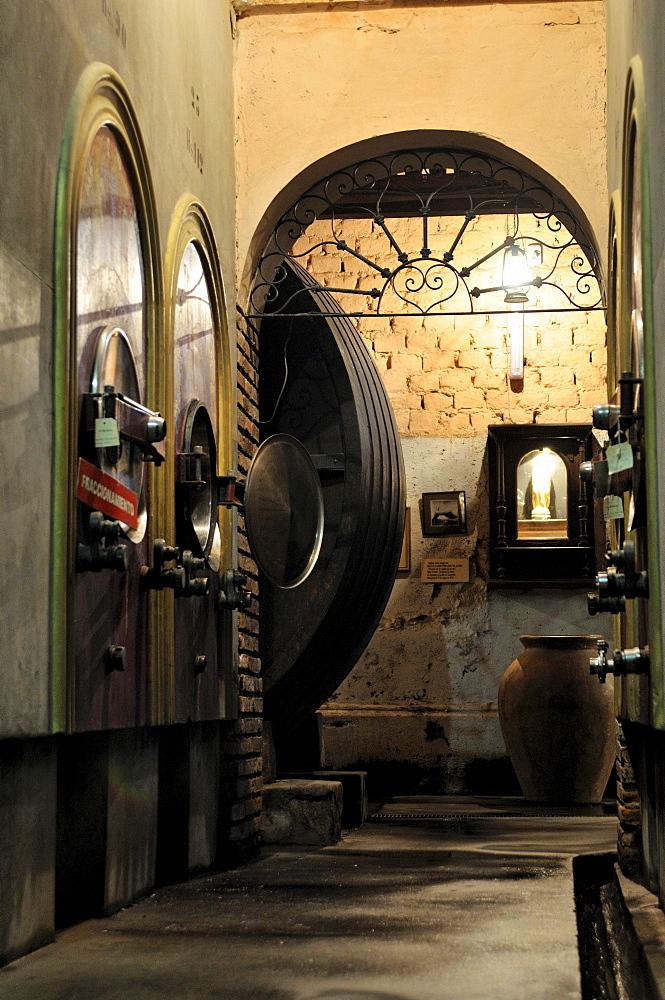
x=444, y=570
x=444, y=513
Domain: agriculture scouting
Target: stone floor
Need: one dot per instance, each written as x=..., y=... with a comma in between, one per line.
x=473, y=902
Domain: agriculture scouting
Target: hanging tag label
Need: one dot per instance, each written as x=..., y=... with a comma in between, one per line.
x=106, y=494
x=106, y=433
x=612, y=508
x=619, y=457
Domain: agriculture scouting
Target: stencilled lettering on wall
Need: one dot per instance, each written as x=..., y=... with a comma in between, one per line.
x=193, y=145
x=117, y=25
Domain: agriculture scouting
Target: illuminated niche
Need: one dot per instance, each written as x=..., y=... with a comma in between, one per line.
x=541, y=514
x=542, y=495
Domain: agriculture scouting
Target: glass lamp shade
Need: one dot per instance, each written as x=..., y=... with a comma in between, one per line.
x=515, y=274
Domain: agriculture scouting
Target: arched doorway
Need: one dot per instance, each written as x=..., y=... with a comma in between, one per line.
x=416, y=245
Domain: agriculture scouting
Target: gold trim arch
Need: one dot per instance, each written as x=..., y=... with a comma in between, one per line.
x=190, y=224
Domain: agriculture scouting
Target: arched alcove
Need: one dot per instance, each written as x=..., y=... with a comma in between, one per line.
x=421, y=700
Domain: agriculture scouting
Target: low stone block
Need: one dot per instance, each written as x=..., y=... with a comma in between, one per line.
x=299, y=811
x=354, y=793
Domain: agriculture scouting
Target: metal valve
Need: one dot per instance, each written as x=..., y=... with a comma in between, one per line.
x=623, y=662
x=600, y=665
x=161, y=576
x=628, y=581
x=620, y=582
x=194, y=586
x=596, y=604
x=596, y=474
x=234, y=594
x=606, y=416
x=104, y=550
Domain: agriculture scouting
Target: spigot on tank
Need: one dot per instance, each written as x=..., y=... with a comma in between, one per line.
x=104, y=551
x=600, y=665
x=596, y=604
x=625, y=577
x=165, y=572
x=606, y=416
x=194, y=586
x=623, y=661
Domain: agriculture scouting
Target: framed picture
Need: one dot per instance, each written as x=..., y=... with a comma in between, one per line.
x=405, y=557
x=444, y=513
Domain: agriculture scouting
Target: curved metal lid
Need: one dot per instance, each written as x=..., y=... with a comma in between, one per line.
x=114, y=364
x=199, y=498
x=284, y=511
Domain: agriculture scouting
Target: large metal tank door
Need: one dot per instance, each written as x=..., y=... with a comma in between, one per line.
x=117, y=435
x=334, y=402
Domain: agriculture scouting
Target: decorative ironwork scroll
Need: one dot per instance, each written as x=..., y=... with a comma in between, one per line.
x=428, y=184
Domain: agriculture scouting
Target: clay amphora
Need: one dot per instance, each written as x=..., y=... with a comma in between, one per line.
x=557, y=719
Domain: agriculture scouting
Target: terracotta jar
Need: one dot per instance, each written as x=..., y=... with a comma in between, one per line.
x=558, y=720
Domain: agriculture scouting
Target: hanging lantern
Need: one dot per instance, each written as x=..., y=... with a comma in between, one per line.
x=515, y=274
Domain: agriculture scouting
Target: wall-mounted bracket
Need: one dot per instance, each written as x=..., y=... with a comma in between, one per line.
x=234, y=594
x=230, y=492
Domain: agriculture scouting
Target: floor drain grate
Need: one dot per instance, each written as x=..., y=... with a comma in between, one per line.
x=456, y=817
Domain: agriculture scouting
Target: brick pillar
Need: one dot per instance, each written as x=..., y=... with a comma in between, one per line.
x=629, y=838
x=242, y=764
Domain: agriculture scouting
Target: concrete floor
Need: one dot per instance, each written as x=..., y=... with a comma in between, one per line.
x=445, y=909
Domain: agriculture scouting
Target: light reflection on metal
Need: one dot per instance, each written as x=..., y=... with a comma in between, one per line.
x=516, y=342
x=109, y=262
x=428, y=184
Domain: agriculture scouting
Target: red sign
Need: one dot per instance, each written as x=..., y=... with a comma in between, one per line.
x=106, y=494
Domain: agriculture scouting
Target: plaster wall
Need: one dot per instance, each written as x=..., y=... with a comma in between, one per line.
x=176, y=61
x=421, y=703
x=309, y=83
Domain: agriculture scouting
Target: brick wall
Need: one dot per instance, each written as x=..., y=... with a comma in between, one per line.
x=448, y=375
x=242, y=739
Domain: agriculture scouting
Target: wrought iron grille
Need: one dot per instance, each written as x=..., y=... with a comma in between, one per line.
x=426, y=184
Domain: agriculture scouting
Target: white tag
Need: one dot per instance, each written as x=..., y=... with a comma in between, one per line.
x=106, y=433
x=619, y=457
x=612, y=508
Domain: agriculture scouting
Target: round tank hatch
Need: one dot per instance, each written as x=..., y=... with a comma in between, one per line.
x=196, y=484
x=284, y=511
x=114, y=365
